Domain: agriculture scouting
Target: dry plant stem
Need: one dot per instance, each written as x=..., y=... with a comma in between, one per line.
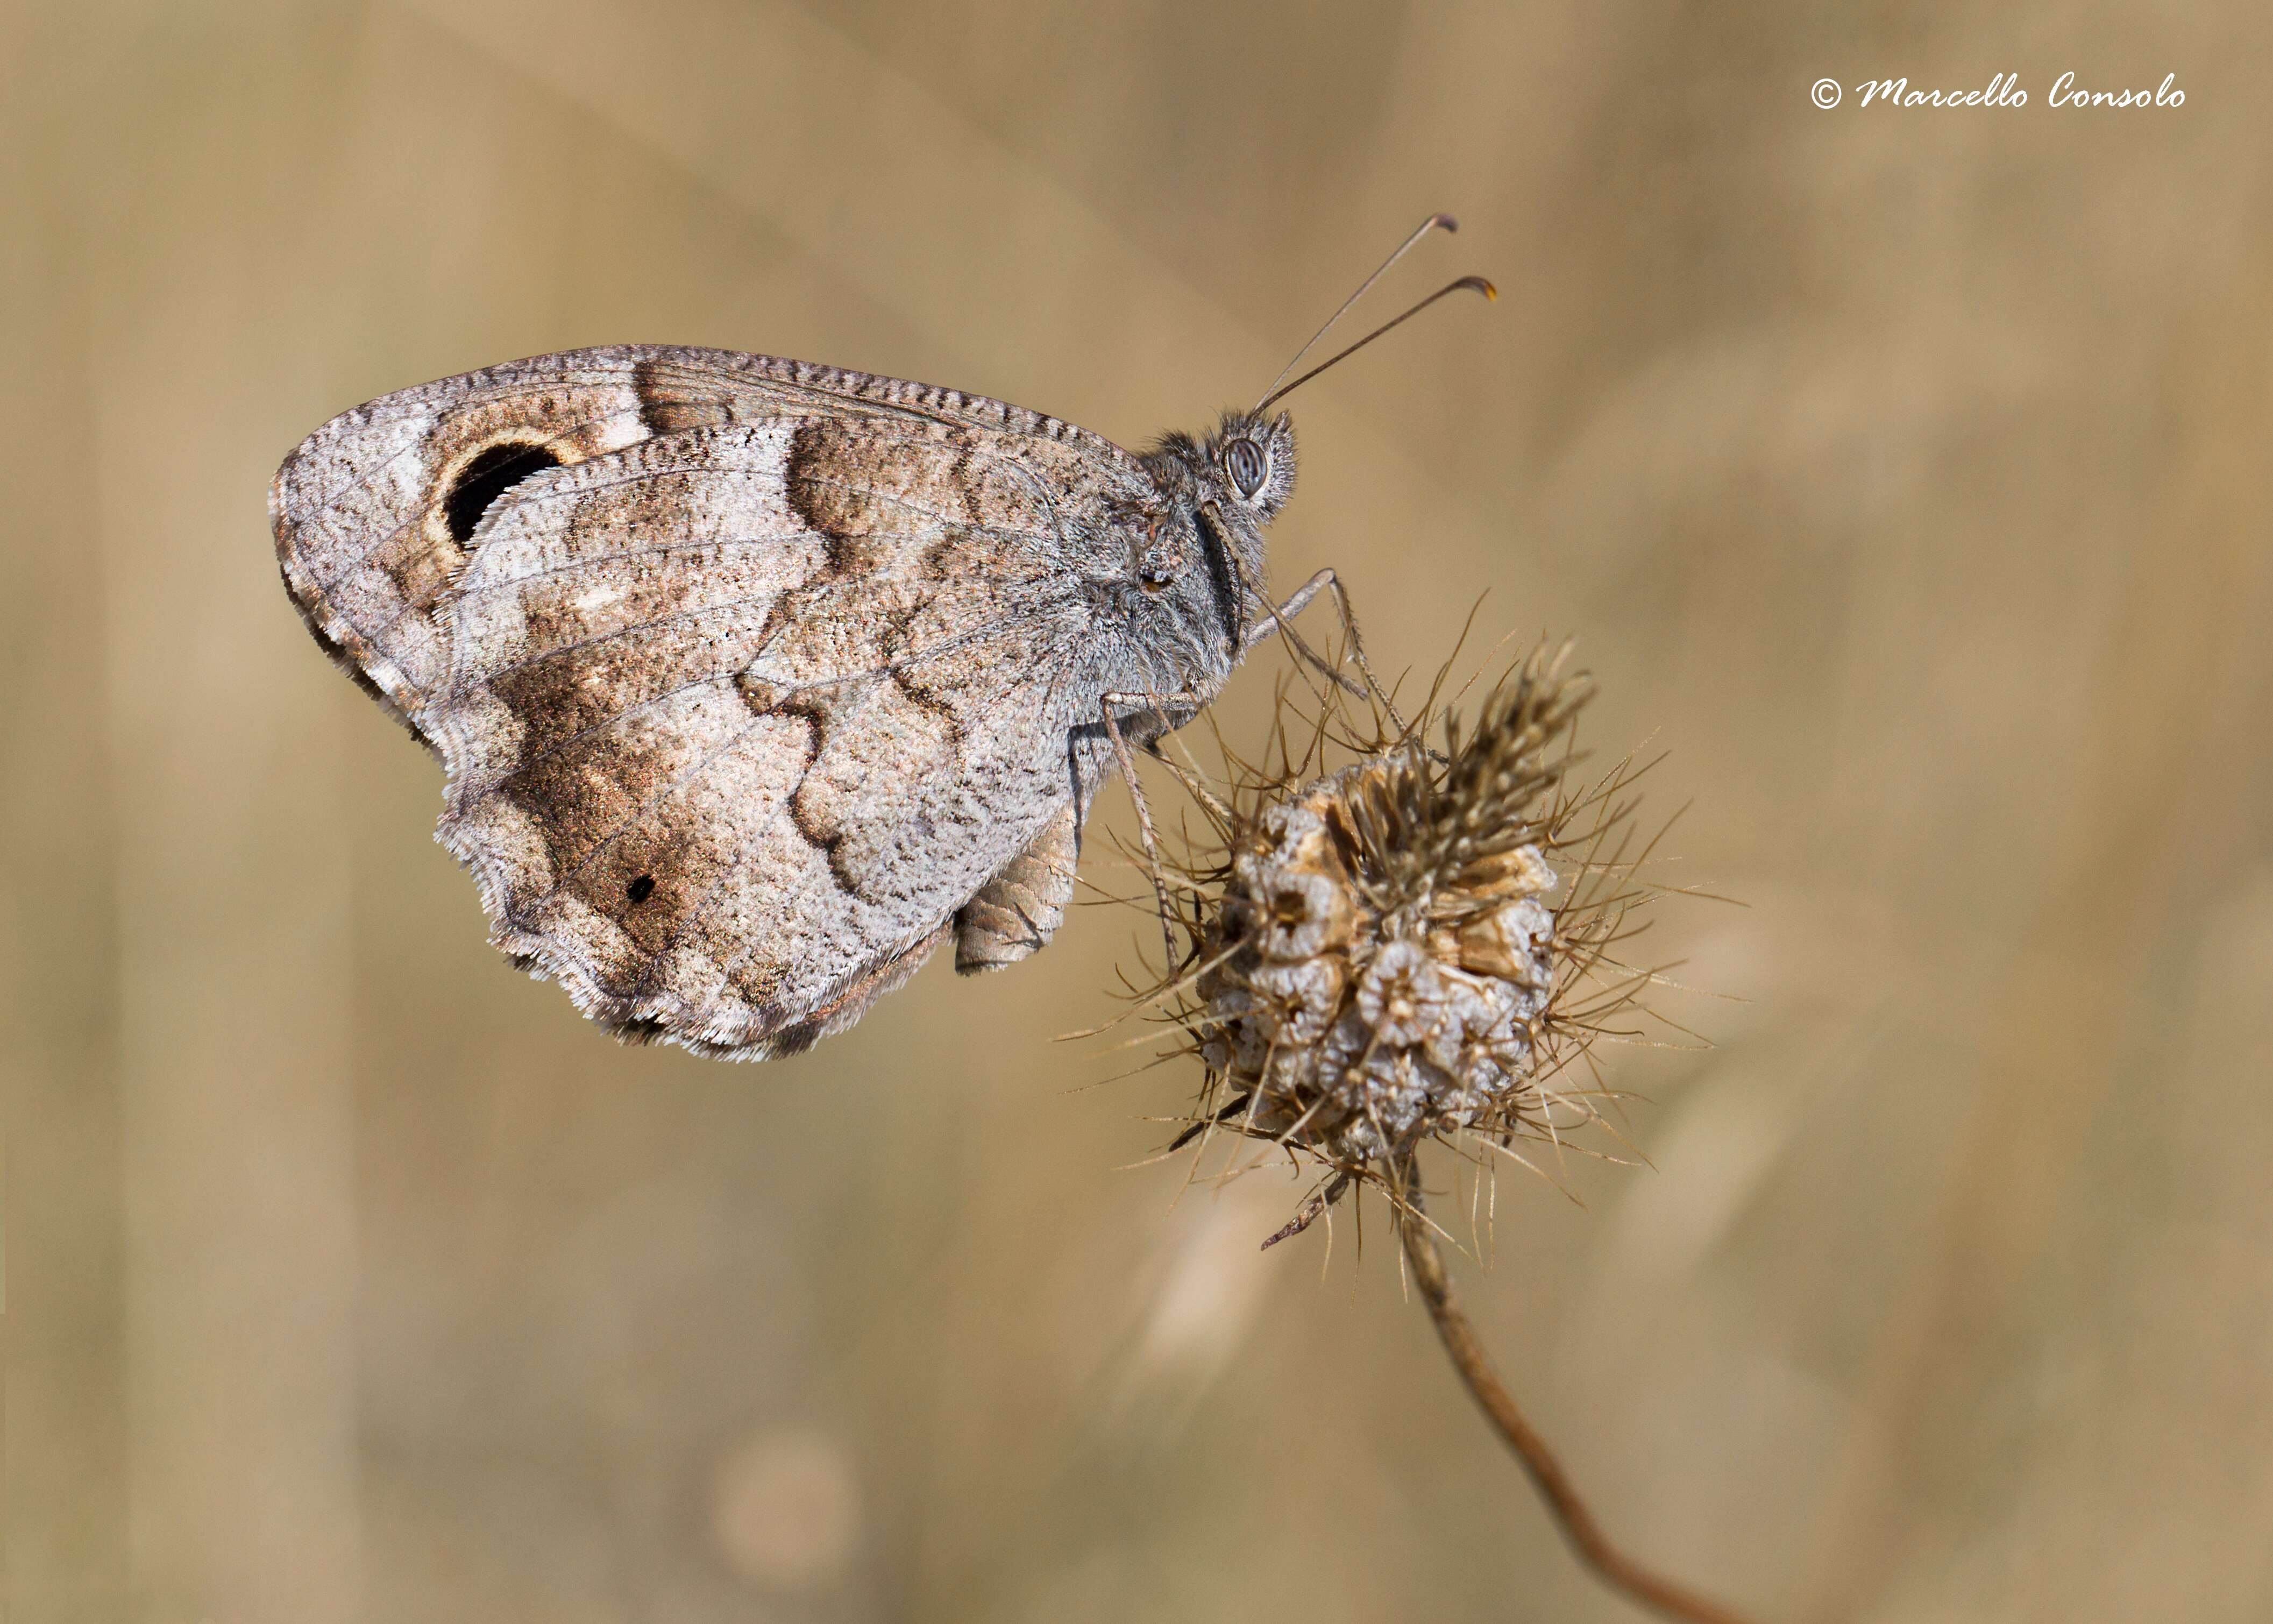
x=1578, y=1526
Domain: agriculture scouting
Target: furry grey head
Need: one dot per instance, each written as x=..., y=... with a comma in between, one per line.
x=1209, y=561
x=1246, y=467
x=1254, y=462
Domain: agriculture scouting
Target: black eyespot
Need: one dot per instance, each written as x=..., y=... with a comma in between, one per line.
x=488, y=476
x=641, y=889
x=1248, y=466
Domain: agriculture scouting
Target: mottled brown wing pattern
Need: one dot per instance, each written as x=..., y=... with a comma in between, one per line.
x=741, y=696
x=375, y=512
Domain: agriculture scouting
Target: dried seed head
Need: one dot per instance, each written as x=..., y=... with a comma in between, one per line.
x=1395, y=950
x=1417, y=945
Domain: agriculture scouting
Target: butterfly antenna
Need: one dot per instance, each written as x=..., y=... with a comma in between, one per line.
x=1403, y=248
x=1476, y=283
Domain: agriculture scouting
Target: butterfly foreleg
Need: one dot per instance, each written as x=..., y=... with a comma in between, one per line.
x=1128, y=762
x=1280, y=621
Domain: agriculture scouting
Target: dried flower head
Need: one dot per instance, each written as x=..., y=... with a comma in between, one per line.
x=1413, y=946
x=1418, y=945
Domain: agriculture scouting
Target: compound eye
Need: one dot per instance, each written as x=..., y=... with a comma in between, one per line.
x=1248, y=466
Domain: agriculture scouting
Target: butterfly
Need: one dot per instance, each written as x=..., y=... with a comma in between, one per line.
x=754, y=681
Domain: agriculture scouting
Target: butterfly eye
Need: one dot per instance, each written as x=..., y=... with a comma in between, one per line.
x=1248, y=466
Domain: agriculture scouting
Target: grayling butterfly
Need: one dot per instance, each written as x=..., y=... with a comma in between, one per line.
x=754, y=680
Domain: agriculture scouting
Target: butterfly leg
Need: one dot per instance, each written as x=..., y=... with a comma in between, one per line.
x=1279, y=620
x=1143, y=812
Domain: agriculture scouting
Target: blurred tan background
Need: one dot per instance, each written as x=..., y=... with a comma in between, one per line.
x=1904, y=474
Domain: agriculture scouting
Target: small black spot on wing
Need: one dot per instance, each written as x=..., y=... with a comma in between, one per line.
x=641, y=889
x=488, y=476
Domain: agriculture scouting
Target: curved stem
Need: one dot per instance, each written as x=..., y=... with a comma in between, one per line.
x=1577, y=1523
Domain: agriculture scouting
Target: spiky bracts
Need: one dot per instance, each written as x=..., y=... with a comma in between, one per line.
x=1412, y=945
